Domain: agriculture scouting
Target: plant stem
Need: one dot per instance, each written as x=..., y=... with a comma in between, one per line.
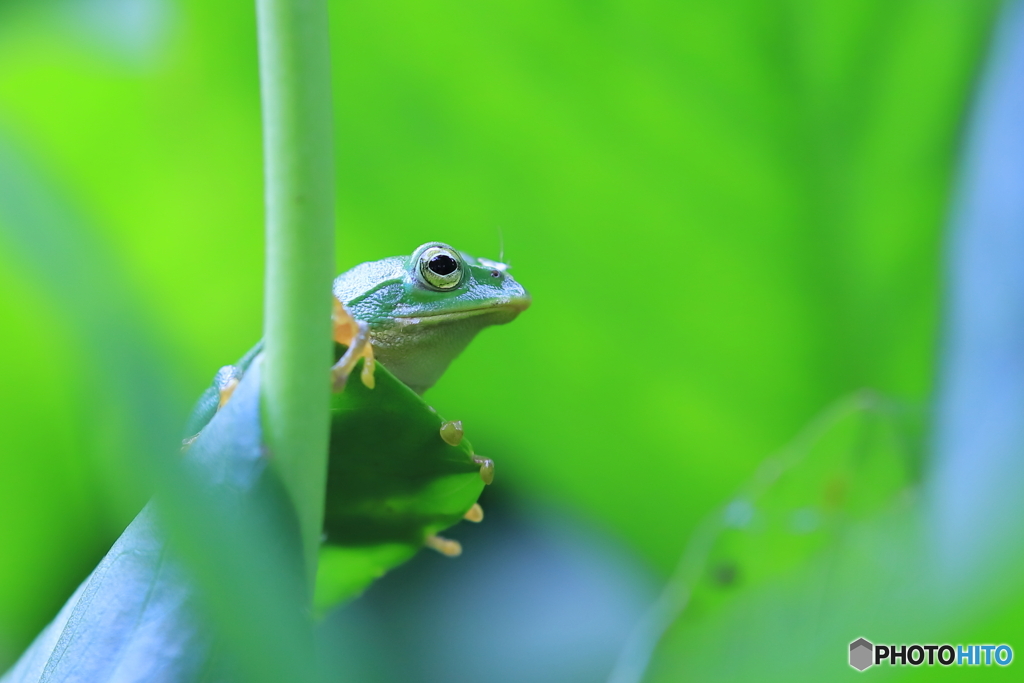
x=294, y=55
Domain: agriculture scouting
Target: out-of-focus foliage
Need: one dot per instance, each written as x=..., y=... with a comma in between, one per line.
x=238, y=551
x=763, y=573
x=728, y=215
x=146, y=612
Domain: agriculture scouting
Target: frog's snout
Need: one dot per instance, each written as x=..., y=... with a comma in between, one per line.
x=516, y=301
x=521, y=302
x=516, y=295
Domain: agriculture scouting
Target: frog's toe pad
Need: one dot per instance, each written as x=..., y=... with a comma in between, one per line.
x=451, y=432
x=369, y=364
x=445, y=546
x=486, y=468
x=475, y=513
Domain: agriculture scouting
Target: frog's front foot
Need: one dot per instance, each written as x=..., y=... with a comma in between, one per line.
x=445, y=546
x=354, y=334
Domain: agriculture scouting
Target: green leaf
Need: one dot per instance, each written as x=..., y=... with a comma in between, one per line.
x=392, y=482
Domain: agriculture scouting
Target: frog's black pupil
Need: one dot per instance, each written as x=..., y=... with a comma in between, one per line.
x=442, y=264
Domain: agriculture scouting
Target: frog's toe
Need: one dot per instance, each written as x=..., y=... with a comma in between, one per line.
x=369, y=364
x=452, y=432
x=358, y=347
x=339, y=378
x=486, y=468
x=474, y=514
x=445, y=546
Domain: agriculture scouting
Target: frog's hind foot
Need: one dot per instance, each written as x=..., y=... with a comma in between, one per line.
x=486, y=468
x=214, y=398
x=226, y=380
x=226, y=391
x=445, y=546
x=452, y=432
x=354, y=334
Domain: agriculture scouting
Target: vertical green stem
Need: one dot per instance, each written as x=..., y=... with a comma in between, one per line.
x=294, y=55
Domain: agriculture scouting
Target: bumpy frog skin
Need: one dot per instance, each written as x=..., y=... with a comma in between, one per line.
x=421, y=311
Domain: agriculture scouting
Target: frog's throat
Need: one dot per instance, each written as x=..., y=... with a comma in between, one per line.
x=418, y=349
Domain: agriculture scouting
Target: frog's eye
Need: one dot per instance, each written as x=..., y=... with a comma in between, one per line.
x=441, y=268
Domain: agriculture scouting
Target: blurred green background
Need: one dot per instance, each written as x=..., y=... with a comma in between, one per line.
x=730, y=216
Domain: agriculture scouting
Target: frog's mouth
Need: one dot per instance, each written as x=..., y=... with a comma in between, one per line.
x=507, y=309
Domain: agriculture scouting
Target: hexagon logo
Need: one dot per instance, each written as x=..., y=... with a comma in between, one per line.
x=860, y=654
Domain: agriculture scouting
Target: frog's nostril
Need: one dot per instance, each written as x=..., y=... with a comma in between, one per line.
x=495, y=273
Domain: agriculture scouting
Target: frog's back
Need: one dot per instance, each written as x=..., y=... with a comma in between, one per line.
x=363, y=280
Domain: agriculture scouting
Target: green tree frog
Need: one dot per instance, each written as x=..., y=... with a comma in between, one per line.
x=419, y=312
x=412, y=314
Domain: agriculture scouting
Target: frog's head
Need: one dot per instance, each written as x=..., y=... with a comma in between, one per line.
x=425, y=308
